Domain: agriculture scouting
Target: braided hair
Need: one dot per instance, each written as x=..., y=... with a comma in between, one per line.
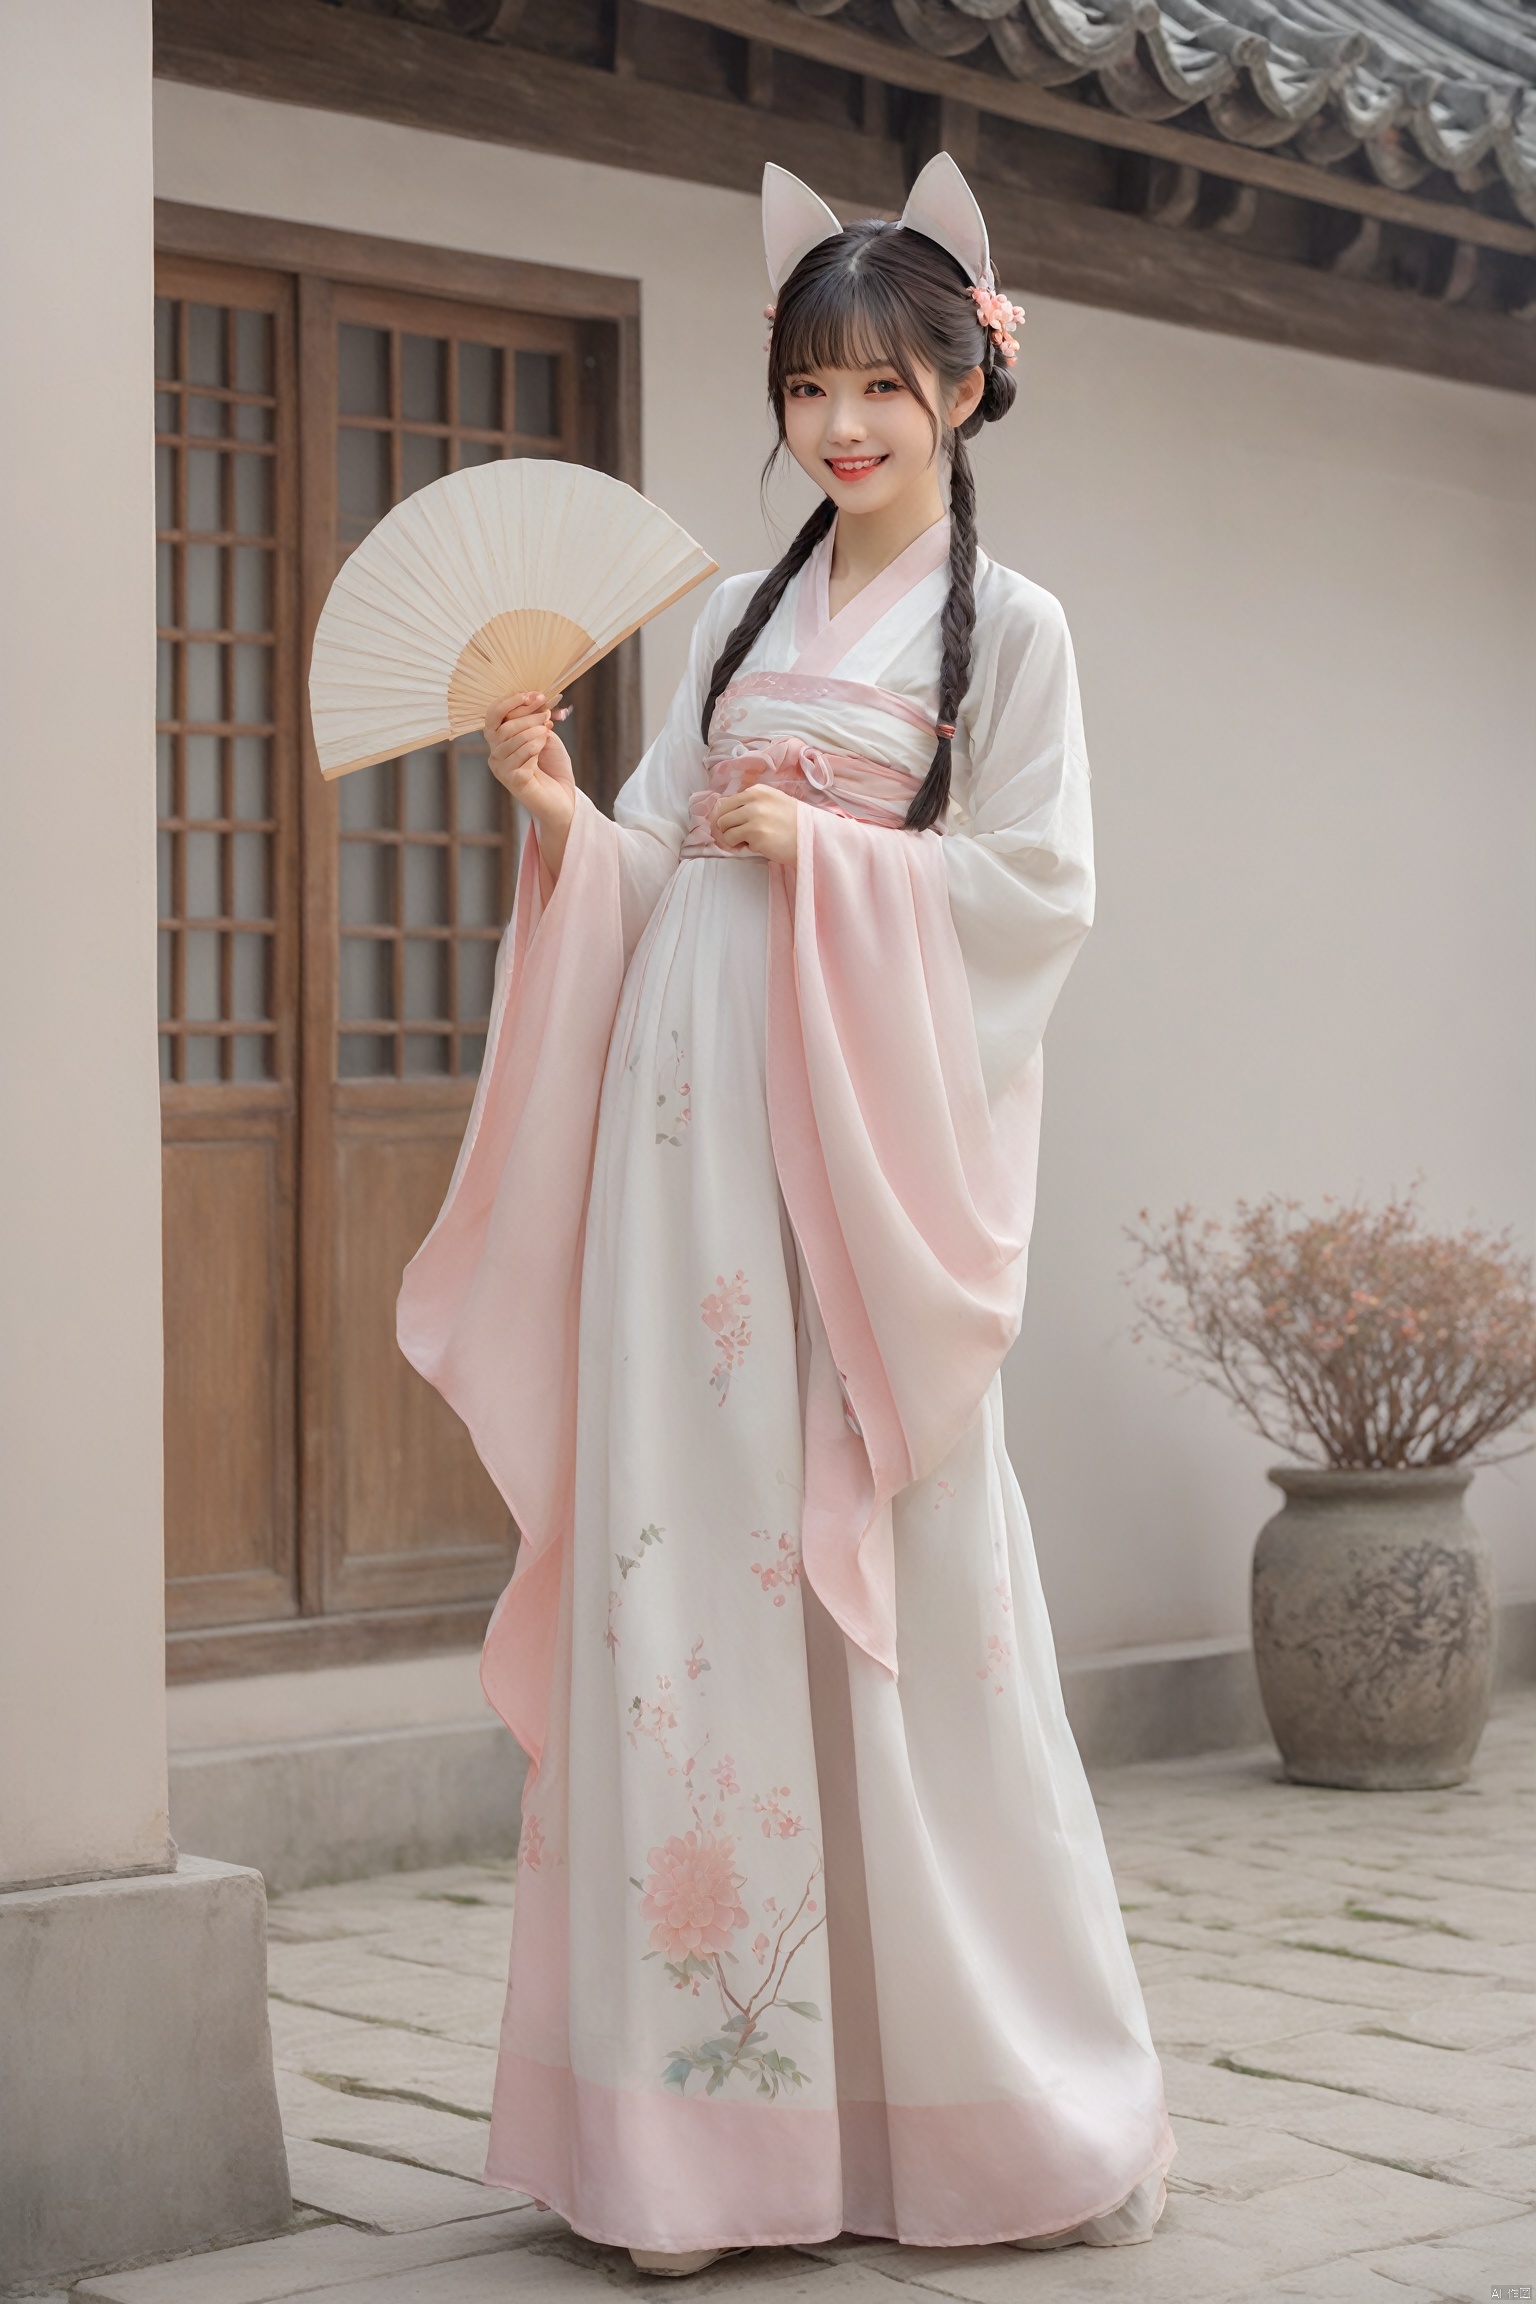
x=884, y=295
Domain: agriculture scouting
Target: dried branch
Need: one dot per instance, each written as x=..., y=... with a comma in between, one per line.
x=1354, y=1338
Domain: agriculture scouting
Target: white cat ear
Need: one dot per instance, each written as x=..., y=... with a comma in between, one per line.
x=942, y=205
x=795, y=221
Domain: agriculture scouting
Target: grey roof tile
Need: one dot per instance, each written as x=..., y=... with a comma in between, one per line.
x=1416, y=85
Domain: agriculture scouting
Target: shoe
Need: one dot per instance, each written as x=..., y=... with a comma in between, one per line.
x=666, y=2267
x=1133, y=2221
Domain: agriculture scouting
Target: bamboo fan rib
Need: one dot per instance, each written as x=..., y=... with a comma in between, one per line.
x=510, y=576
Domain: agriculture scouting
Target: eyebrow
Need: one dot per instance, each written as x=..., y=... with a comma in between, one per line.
x=874, y=368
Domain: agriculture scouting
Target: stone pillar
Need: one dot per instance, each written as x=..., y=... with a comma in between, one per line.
x=137, y=2112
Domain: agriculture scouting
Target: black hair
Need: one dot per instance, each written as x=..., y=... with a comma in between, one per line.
x=882, y=294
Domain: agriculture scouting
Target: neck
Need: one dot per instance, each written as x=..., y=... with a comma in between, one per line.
x=863, y=543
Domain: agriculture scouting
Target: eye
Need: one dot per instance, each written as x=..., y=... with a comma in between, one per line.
x=803, y=389
x=885, y=384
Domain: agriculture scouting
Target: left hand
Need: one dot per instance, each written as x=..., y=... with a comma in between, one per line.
x=762, y=819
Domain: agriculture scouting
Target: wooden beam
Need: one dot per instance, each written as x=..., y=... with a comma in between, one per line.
x=225, y=236
x=342, y=60
x=905, y=66
x=297, y=52
x=1102, y=256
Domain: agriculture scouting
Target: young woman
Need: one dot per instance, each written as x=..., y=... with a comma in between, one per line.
x=815, y=1929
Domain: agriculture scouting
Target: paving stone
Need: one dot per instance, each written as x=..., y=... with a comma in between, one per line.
x=1353, y=1982
x=734, y=2278
x=303, y=2263
x=290, y=1924
x=1343, y=1933
x=1492, y=2018
x=1352, y=2211
x=470, y=1944
x=351, y=1980
x=1194, y=2011
x=384, y=2195
x=1507, y=2170
x=412, y=2064
x=1168, y=1932
x=1176, y=2266
x=1351, y=2281
x=1402, y=2135
x=1201, y=2091
x=538, y=2276
x=1514, y=1867
x=1474, y=2088
x=1235, y=2163
x=1488, y=1913
x=408, y=2132
x=1469, y=2267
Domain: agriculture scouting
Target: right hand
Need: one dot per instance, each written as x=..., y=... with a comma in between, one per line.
x=529, y=759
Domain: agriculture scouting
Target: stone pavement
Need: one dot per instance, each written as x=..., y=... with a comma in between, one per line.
x=1342, y=1987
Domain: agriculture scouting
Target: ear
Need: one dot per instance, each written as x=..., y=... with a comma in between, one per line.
x=795, y=221
x=942, y=205
x=967, y=397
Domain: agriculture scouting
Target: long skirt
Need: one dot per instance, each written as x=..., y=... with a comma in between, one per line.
x=799, y=1946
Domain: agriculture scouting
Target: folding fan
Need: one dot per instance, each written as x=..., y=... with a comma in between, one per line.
x=503, y=578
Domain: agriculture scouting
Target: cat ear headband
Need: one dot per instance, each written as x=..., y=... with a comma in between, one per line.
x=941, y=205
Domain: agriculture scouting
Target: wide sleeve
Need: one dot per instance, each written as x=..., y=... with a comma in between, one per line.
x=651, y=811
x=1018, y=850
x=489, y=1304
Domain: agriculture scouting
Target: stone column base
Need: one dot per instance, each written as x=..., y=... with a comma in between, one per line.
x=138, y=2112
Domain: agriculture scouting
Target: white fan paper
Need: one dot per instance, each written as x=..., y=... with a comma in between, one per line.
x=507, y=577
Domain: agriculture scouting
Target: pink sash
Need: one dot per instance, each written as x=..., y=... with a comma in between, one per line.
x=869, y=790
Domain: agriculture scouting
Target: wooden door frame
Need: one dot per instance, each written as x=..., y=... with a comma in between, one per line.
x=607, y=313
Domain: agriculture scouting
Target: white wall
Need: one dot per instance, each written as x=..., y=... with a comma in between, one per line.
x=1302, y=593
x=82, y=1713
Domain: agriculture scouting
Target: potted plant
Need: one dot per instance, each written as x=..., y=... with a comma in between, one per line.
x=1392, y=1361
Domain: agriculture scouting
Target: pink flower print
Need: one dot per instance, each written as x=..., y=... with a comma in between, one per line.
x=724, y=1773
x=724, y=1315
x=778, y=1822
x=655, y=1720
x=530, y=1846
x=696, y=1661
x=761, y=1947
x=945, y=1494
x=999, y=1656
x=673, y=1108
x=691, y=1895
x=781, y=1572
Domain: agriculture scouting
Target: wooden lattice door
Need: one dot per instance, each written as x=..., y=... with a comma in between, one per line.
x=418, y=854
x=327, y=955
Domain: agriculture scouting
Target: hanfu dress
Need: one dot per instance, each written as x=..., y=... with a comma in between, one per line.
x=815, y=1928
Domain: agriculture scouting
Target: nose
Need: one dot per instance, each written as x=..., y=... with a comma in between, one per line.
x=845, y=422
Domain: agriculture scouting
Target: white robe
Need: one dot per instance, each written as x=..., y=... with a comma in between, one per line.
x=815, y=1926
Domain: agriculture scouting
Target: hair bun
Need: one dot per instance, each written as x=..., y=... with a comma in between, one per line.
x=998, y=391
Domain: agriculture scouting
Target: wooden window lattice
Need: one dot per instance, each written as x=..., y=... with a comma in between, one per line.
x=216, y=521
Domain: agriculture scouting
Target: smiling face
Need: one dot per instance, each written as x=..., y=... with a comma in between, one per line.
x=876, y=353
x=861, y=434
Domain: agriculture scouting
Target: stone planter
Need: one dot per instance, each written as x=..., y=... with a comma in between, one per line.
x=1373, y=1627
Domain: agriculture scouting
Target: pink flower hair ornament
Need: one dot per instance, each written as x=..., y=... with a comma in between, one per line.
x=999, y=318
